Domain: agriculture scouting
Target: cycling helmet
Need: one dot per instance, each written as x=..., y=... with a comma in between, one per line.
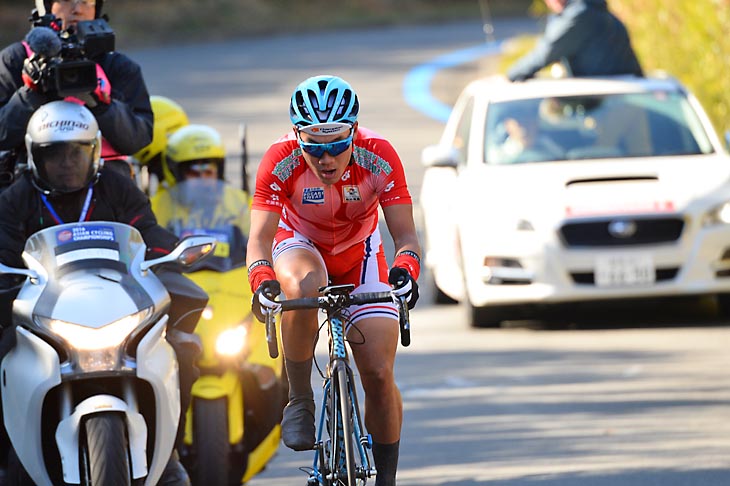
x=325, y=101
x=194, y=145
x=44, y=7
x=64, y=147
x=168, y=117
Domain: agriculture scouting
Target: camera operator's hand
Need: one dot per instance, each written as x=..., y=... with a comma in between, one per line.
x=34, y=70
x=263, y=301
x=403, y=285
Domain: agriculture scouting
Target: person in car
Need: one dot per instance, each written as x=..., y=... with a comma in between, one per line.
x=586, y=37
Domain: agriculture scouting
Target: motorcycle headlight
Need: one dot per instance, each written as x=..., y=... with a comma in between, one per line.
x=90, y=338
x=720, y=214
x=231, y=342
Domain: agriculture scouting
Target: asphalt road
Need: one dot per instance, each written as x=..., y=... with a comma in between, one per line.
x=633, y=399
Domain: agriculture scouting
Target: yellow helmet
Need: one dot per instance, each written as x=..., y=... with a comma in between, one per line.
x=193, y=145
x=169, y=116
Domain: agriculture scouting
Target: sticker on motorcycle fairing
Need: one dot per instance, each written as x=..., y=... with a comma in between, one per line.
x=313, y=195
x=85, y=233
x=223, y=239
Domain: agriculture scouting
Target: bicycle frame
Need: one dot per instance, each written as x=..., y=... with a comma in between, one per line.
x=341, y=456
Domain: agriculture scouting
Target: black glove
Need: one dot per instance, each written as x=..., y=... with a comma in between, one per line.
x=404, y=285
x=35, y=73
x=263, y=302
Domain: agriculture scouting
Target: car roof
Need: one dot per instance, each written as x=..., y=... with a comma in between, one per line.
x=499, y=89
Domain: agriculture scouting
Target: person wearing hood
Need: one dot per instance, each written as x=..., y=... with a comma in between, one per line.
x=585, y=37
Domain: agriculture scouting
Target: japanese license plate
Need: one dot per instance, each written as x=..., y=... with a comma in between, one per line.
x=624, y=270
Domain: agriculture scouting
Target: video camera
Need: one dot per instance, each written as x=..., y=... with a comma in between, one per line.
x=62, y=62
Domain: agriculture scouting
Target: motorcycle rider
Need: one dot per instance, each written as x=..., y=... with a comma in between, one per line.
x=120, y=103
x=64, y=183
x=196, y=154
x=314, y=219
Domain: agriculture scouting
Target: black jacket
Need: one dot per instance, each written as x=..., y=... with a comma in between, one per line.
x=587, y=37
x=115, y=198
x=126, y=123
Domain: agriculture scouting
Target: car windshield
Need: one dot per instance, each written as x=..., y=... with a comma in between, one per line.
x=591, y=127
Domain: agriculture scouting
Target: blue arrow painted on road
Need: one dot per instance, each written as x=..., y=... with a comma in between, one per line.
x=417, y=83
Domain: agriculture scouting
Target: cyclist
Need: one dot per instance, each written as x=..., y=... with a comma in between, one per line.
x=314, y=221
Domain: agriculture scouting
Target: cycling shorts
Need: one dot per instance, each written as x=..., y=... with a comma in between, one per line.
x=363, y=265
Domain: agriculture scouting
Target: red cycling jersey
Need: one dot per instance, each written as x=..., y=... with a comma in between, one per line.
x=334, y=217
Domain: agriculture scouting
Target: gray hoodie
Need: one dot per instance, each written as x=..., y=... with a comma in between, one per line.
x=587, y=38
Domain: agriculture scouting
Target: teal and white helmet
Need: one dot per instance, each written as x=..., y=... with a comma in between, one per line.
x=324, y=101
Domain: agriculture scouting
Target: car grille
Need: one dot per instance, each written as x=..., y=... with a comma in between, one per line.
x=588, y=278
x=645, y=232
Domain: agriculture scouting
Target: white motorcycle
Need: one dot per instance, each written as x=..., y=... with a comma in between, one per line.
x=90, y=389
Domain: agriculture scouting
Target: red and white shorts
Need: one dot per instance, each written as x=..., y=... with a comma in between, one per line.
x=363, y=265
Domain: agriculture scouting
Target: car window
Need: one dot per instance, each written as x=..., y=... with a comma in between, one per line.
x=591, y=127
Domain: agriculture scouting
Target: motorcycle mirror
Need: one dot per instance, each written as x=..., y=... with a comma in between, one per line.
x=4, y=269
x=188, y=251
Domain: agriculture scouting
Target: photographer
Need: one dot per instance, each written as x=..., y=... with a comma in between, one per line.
x=119, y=101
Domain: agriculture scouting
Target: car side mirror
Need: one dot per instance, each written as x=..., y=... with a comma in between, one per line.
x=188, y=251
x=439, y=156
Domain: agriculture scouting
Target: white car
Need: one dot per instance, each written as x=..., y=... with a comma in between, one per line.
x=565, y=190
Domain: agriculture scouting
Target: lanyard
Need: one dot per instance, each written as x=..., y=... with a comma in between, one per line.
x=84, y=210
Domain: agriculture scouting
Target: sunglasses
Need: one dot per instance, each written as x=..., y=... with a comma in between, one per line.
x=332, y=148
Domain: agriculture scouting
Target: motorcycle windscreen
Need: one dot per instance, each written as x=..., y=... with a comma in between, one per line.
x=209, y=207
x=88, y=267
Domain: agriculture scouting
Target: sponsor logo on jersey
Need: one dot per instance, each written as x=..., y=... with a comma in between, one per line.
x=351, y=193
x=313, y=195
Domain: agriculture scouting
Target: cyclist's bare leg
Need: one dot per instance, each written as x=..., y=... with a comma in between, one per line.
x=383, y=404
x=300, y=273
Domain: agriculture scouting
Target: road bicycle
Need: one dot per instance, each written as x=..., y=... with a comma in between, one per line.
x=341, y=450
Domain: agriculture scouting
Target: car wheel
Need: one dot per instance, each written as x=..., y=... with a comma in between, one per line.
x=490, y=316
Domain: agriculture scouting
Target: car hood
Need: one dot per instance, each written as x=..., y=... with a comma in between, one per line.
x=576, y=189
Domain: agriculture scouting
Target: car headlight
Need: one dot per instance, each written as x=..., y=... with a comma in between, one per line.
x=720, y=214
x=231, y=342
x=90, y=338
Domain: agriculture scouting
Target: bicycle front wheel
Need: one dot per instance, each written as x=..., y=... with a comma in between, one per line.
x=344, y=450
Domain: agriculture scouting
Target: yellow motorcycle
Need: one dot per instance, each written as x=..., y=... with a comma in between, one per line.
x=233, y=424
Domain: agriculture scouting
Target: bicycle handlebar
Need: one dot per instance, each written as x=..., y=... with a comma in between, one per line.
x=339, y=300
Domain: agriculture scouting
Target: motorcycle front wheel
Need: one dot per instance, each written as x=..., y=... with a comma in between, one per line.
x=105, y=451
x=210, y=441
